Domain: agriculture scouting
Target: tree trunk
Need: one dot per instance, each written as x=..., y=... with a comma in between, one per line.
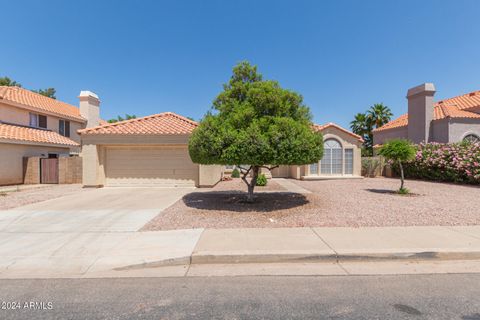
x=253, y=183
x=401, y=174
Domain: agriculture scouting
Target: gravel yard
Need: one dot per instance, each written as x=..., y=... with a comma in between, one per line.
x=13, y=199
x=332, y=203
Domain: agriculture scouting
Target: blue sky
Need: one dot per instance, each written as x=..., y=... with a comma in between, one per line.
x=144, y=57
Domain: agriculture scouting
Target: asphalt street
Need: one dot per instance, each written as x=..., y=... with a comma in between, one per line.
x=448, y=296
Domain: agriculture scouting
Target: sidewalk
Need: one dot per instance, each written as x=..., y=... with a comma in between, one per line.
x=177, y=252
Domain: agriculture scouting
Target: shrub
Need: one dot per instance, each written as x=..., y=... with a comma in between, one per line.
x=261, y=180
x=371, y=166
x=398, y=151
x=453, y=162
x=235, y=173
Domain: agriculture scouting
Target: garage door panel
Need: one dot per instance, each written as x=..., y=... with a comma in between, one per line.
x=150, y=166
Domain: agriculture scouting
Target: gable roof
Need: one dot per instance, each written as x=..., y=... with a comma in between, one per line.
x=318, y=127
x=456, y=107
x=162, y=123
x=36, y=101
x=40, y=136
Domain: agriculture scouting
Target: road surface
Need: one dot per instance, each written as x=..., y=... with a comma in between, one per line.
x=453, y=296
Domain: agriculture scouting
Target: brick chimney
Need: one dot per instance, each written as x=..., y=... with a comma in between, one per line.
x=420, y=112
x=90, y=108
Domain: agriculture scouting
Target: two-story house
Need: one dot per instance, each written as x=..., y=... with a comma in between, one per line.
x=35, y=125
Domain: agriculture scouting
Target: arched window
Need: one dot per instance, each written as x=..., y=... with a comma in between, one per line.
x=471, y=138
x=332, y=161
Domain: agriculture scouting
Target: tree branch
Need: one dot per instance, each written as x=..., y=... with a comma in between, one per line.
x=245, y=173
x=269, y=168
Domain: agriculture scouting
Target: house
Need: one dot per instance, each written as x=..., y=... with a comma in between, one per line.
x=35, y=125
x=341, y=159
x=450, y=120
x=148, y=151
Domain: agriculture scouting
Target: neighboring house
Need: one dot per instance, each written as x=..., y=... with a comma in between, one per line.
x=341, y=159
x=148, y=151
x=35, y=125
x=450, y=120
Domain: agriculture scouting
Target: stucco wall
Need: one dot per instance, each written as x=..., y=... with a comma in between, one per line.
x=459, y=128
x=440, y=131
x=208, y=176
x=11, y=160
x=14, y=115
x=380, y=137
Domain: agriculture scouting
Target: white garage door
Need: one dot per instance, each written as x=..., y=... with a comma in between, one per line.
x=150, y=166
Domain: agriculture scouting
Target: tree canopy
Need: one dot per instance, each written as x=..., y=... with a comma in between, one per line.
x=398, y=150
x=256, y=122
x=49, y=92
x=120, y=118
x=364, y=123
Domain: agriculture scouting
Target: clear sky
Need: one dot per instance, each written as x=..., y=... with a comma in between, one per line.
x=143, y=57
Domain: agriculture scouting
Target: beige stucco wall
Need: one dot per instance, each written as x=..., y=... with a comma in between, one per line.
x=208, y=176
x=14, y=115
x=11, y=160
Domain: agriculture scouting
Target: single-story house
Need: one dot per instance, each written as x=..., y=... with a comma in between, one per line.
x=148, y=151
x=450, y=120
x=342, y=157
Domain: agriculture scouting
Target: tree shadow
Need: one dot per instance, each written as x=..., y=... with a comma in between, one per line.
x=236, y=201
x=475, y=316
x=382, y=191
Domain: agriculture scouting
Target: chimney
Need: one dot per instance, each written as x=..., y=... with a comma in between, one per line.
x=90, y=108
x=420, y=112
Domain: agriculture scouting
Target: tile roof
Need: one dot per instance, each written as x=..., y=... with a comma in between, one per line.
x=456, y=107
x=162, y=123
x=19, y=133
x=318, y=127
x=37, y=101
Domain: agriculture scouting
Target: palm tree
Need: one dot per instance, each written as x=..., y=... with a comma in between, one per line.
x=360, y=124
x=379, y=114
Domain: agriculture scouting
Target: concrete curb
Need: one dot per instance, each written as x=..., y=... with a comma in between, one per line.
x=305, y=258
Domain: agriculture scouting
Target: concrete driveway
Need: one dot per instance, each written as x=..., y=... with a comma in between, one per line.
x=97, y=210
x=92, y=233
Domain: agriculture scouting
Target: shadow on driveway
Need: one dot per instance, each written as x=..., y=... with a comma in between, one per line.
x=236, y=201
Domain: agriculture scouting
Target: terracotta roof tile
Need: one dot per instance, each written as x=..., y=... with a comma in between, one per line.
x=19, y=133
x=318, y=127
x=457, y=107
x=39, y=102
x=162, y=123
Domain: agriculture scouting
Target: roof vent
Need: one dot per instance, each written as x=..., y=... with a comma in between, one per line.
x=440, y=102
x=471, y=94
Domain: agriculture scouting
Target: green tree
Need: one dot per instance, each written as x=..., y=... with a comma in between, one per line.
x=120, y=118
x=6, y=81
x=379, y=115
x=49, y=92
x=399, y=150
x=255, y=122
x=364, y=123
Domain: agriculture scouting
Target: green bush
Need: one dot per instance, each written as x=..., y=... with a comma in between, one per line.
x=261, y=180
x=235, y=173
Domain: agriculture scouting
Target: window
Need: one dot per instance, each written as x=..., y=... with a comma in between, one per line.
x=348, y=161
x=471, y=138
x=332, y=161
x=64, y=128
x=42, y=121
x=38, y=121
x=314, y=168
x=33, y=120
